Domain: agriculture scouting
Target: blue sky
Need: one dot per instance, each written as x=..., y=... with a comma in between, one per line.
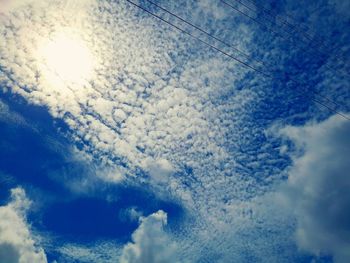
x=123, y=140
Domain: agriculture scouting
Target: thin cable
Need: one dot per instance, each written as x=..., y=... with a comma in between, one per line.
x=273, y=31
x=229, y=45
x=199, y=39
x=224, y=53
x=331, y=109
x=206, y=32
x=283, y=22
x=291, y=33
x=296, y=25
x=227, y=54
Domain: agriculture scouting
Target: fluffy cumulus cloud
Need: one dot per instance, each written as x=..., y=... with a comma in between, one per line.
x=16, y=242
x=318, y=187
x=150, y=243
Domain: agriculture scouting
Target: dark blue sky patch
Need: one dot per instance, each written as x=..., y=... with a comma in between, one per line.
x=84, y=218
x=89, y=219
x=25, y=156
x=33, y=152
x=28, y=160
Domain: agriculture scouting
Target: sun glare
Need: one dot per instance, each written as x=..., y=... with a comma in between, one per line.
x=68, y=58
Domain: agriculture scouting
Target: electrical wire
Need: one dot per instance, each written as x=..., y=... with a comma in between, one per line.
x=205, y=32
x=296, y=25
x=274, y=32
x=231, y=46
x=307, y=36
x=224, y=53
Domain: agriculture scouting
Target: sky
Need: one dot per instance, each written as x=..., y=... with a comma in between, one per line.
x=125, y=139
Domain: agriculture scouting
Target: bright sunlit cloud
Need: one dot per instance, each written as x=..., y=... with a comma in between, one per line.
x=66, y=58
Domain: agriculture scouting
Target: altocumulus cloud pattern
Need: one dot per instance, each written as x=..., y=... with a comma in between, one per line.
x=124, y=139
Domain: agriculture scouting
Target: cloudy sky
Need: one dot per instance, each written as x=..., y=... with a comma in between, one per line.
x=139, y=131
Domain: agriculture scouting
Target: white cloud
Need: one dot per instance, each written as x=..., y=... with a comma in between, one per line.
x=7, y=6
x=107, y=252
x=146, y=101
x=318, y=187
x=158, y=101
x=150, y=243
x=16, y=242
x=130, y=214
x=160, y=170
x=216, y=9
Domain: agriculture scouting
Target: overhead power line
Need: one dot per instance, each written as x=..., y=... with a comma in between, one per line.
x=223, y=52
x=236, y=49
x=236, y=9
x=295, y=27
x=199, y=39
x=206, y=32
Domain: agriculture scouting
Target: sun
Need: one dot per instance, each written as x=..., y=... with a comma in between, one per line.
x=66, y=58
